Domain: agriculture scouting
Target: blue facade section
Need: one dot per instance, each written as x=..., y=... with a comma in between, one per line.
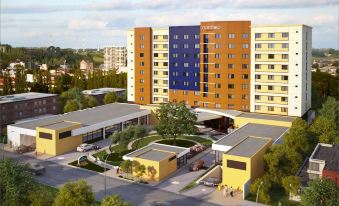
x=184, y=69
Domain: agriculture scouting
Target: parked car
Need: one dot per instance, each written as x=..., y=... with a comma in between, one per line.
x=85, y=147
x=157, y=203
x=36, y=169
x=96, y=147
x=211, y=181
x=197, y=165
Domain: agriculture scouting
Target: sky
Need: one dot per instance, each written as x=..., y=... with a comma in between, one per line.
x=93, y=23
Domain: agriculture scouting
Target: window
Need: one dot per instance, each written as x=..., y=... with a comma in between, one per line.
x=175, y=46
x=284, y=78
x=165, y=36
x=155, y=55
x=165, y=55
x=142, y=81
x=205, y=104
x=258, y=56
x=270, y=98
x=217, y=106
x=258, y=87
x=217, y=66
x=270, y=56
x=45, y=135
x=230, y=86
x=186, y=64
x=185, y=74
x=244, y=96
x=257, y=46
x=284, y=56
x=218, y=85
x=231, y=36
x=230, y=106
x=284, y=99
x=257, y=107
x=185, y=55
x=284, y=88
x=230, y=96
x=142, y=37
x=175, y=55
x=155, y=99
x=270, y=108
x=196, y=55
x=231, y=46
x=141, y=90
x=141, y=63
x=217, y=36
x=217, y=56
x=231, y=76
x=245, y=56
x=155, y=63
x=284, y=34
x=284, y=67
x=196, y=93
x=270, y=87
x=175, y=36
x=196, y=46
x=185, y=46
x=244, y=76
x=196, y=36
x=196, y=74
x=270, y=77
x=245, y=46
x=196, y=65
x=245, y=35
x=284, y=45
x=185, y=84
x=257, y=76
x=231, y=66
x=141, y=72
x=142, y=98
x=165, y=64
x=283, y=109
x=175, y=64
x=217, y=46
x=271, y=45
x=186, y=36
x=270, y=35
x=165, y=46
x=244, y=86
x=155, y=37
x=245, y=66
x=236, y=165
x=142, y=46
x=257, y=35
x=217, y=96
x=231, y=56
x=271, y=66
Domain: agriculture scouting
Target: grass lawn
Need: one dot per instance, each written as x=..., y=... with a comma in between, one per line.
x=179, y=142
x=113, y=159
x=119, y=148
x=277, y=195
x=89, y=166
x=146, y=140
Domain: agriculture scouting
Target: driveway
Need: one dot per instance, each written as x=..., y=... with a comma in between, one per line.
x=57, y=174
x=183, y=176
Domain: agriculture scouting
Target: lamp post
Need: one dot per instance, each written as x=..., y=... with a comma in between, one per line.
x=258, y=192
x=105, y=172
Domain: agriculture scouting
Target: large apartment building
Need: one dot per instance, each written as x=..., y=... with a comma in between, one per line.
x=229, y=65
x=115, y=57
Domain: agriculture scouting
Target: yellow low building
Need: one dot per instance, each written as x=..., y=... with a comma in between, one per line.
x=56, y=138
x=244, y=162
x=266, y=119
x=159, y=160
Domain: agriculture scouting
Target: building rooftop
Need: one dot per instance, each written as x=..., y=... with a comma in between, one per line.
x=267, y=117
x=155, y=155
x=221, y=112
x=102, y=91
x=87, y=116
x=23, y=96
x=329, y=153
x=253, y=130
x=249, y=147
x=165, y=149
x=280, y=25
x=59, y=125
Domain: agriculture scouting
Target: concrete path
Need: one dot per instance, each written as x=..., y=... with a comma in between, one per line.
x=139, y=195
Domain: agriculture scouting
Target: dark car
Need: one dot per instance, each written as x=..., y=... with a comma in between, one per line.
x=211, y=181
x=36, y=168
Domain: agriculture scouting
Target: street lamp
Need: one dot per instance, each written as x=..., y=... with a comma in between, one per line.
x=261, y=183
x=105, y=171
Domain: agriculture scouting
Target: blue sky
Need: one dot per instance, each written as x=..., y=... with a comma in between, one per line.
x=93, y=23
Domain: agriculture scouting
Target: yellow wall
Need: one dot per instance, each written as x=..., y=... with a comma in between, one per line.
x=241, y=121
x=277, y=110
x=57, y=146
x=163, y=168
x=235, y=177
x=257, y=162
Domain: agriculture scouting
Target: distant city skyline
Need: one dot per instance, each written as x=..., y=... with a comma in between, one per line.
x=92, y=23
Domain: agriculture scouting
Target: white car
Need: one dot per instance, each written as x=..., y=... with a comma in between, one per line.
x=85, y=147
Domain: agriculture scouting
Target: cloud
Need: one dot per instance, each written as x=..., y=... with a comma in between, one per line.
x=86, y=24
x=283, y=3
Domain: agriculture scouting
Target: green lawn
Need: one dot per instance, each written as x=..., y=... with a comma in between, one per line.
x=179, y=142
x=119, y=148
x=89, y=166
x=113, y=159
x=277, y=195
x=146, y=140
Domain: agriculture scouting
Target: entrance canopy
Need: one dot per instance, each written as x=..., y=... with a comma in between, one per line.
x=219, y=113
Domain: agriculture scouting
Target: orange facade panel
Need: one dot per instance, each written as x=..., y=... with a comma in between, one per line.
x=143, y=65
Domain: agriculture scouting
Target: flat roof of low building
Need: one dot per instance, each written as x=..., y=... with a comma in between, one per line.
x=103, y=90
x=329, y=153
x=254, y=130
x=221, y=112
x=23, y=96
x=155, y=155
x=166, y=149
x=249, y=146
x=87, y=116
x=267, y=117
x=59, y=125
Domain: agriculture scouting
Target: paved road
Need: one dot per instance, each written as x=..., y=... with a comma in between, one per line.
x=56, y=175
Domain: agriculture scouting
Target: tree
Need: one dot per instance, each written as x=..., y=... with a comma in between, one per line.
x=77, y=193
x=140, y=170
x=330, y=108
x=320, y=192
x=139, y=131
x=20, y=80
x=291, y=184
x=114, y=200
x=151, y=172
x=110, y=97
x=175, y=120
x=71, y=105
x=263, y=192
x=324, y=128
x=40, y=197
x=91, y=102
x=7, y=83
x=126, y=166
x=76, y=95
x=15, y=182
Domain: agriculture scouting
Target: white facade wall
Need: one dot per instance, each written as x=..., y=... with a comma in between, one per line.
x=299, y=67
x=130, y=66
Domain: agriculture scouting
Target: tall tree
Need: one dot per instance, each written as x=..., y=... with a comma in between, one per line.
x=91, y=102
x=261, y=186
x=20, y=80
x=175, y=120
x=320, y=192
x=291, y=184
x=75, y=194
x=7, y=83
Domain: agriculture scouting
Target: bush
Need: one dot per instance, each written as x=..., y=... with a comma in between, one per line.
x=265, y=185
